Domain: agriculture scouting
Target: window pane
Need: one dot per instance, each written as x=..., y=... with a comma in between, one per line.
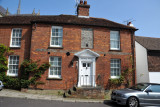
x=114, y=40
x=59, y=70
x=55, y=68
x=13, y=65
x=84, y=64
x=155, y=88
x=54, y=63
x=16, y=37
x=88, y=64
x=51, y=72
x=115, y=67
x=56, y=37
x=59, y=63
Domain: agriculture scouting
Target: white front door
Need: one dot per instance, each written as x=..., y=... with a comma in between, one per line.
x=87, y=68
x=86, y=76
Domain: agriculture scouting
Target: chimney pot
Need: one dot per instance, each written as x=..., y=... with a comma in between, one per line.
x=81, y=1
x=85, y=2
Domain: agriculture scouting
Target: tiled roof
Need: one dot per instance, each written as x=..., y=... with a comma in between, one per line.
x=153, y=61
x=63, y=19
x=148, y=42
x=2, y=11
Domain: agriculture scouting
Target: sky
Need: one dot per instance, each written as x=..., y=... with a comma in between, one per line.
x=145, y=14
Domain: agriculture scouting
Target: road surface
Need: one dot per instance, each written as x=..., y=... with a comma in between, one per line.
x=22, y=102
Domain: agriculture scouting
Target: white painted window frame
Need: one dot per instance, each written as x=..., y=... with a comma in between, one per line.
x=11, y=74
x=116, y=68
x=55, y=76
x=115, y=40
x=16, y=37
x=56, y=27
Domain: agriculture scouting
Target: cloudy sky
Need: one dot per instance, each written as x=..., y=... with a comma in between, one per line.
x=145, y=14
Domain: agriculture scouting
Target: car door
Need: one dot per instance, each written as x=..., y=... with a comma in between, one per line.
x=152, y=95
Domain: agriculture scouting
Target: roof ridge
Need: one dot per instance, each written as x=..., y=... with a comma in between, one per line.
x=148, y=42
x=65, y=19
x=148, y=37
x=115, y=22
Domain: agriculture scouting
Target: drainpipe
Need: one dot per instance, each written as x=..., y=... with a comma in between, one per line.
x=133, y=55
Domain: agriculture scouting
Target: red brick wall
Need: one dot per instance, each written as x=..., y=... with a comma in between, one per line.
x=5, y=37
x=39, y=38
x=72, y=43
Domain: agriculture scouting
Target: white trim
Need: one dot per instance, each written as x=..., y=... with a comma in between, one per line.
x=88, y=51
x=59, y=27
x=114, y=48
x=83, y=16
x=55, y=76
x=115, y=77
x=12, y=36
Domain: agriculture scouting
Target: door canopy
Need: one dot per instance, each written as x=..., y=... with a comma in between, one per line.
x=87, y=53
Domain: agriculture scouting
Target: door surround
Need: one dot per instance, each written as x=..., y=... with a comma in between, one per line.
x=87, y=56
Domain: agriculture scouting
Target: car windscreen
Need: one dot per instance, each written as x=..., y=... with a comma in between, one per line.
x=139, y=87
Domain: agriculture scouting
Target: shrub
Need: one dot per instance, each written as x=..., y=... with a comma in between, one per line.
x=27, y=67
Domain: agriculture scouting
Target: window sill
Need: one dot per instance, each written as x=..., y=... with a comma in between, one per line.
x=53, y=78
x=115, y=77
x=14, y=76
x=50, y=47
x=14, y=47
x=114, y=50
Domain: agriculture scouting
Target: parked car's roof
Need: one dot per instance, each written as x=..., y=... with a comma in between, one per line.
x=63, y=19
x=150, y=83
x=148, y=42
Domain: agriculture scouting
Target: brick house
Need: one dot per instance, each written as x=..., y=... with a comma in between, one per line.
x=82, y=50
x=147, y=59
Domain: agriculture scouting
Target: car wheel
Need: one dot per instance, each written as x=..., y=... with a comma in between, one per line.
x=133, y=102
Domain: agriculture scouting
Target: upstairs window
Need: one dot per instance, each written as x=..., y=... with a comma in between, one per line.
x=16, y=37
x=114, y=40
x=13, y=63
x=55, y=68
x=115, y=67
x=56, y=36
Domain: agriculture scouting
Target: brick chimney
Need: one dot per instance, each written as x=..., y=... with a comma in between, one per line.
x=83, y=9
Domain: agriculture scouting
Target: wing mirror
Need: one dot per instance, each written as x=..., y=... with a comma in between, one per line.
x=148, y=90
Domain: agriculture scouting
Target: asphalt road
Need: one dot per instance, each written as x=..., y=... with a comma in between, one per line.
x=18, y=102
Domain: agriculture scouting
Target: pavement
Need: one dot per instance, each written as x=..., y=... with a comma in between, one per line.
x=19, y=94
